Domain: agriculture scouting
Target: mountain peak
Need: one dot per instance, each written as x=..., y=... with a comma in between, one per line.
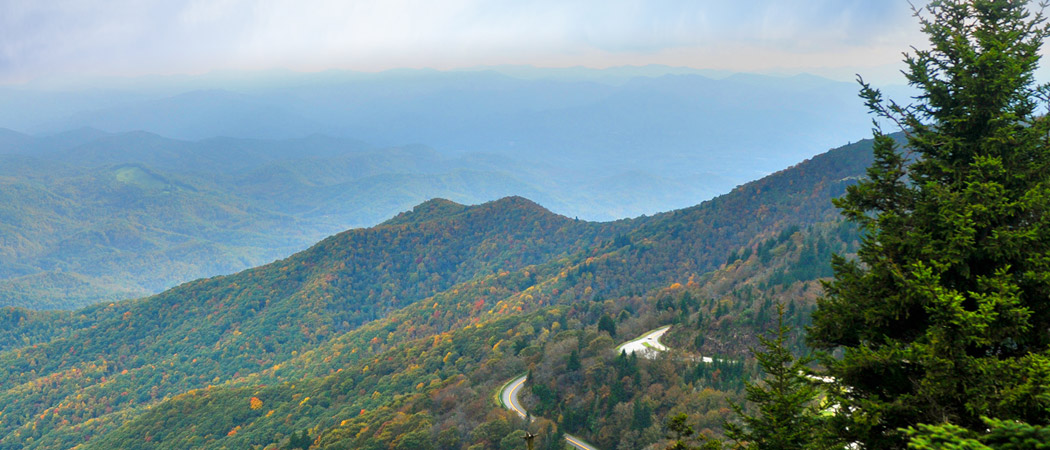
x=429, y=210
x=512, y=206
x=440, y=208
x=515, y=201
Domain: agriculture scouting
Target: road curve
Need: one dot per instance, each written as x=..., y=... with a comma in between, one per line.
x=647, y=345
x=508, y=397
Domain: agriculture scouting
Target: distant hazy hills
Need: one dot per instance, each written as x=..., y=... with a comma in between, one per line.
x=124, y=191
x=657, y=119
x=89, y=216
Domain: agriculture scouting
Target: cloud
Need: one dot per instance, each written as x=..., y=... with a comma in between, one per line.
x=178, y=36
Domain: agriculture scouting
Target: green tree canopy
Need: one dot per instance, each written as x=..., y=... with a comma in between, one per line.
x=1000, y=435
x=788, y=416
x=945, y=315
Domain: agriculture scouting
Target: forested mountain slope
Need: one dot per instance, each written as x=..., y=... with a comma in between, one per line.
x=75, y=237
x=392, y=334
x=226, y=327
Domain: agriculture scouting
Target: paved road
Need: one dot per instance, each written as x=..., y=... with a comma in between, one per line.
x=509, y=397
x=646, y=345
x=576, y=442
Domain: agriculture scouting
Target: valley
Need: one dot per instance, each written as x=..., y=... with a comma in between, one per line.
x=390, y=225
x=377, y=325
x=142, y=188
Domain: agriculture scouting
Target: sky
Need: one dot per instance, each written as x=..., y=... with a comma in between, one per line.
x=74, y=38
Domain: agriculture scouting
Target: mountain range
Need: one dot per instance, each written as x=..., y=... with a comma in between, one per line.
x=398, y=335
x=123, y=191
x=91, y=216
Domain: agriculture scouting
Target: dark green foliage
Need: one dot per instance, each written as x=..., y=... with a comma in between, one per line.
x=643, y=416
x=683, y=437
x=299, y=440
x=788, y=417
x=721, y=374
x=945, y=315
x=680, y=431
x=556, y=441
x=606, y=324
x=514, y=440
x=572, y=363
x=997, y=435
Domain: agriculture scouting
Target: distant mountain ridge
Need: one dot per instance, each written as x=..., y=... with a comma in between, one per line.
x=292, y=158
x=380, y=325
x=579, y=117
x=129, y=214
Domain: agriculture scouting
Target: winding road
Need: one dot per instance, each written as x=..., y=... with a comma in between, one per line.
x=508, y=396
x=647, y=345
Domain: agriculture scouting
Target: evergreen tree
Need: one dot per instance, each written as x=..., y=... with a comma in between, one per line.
x=1000, y=435
x=606, y=324
x=683, y=437
x=680, y=432
x=788, y=416
x=643, y=416
x=572, y=363
x=556, y=440
x=945, y=316
x=300, y=441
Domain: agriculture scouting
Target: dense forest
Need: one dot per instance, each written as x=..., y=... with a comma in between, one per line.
x=887, y=294
x=397, y=336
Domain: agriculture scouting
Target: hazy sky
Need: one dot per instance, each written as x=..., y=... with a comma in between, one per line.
x=62, y=38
